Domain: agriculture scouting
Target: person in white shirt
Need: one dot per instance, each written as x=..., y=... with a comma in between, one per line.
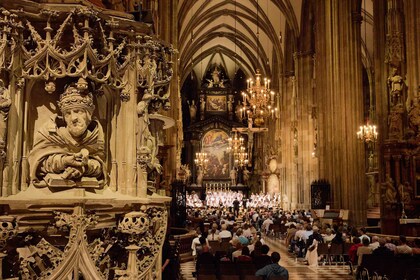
x=328, y=236
x=266, y=225
x=375, y=242
x=213, y=234
x=196, y=242
x=224, y=233
x=363, y=234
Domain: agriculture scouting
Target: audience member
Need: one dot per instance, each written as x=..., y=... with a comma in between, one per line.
x=375, y=242
x=363, y=250
x=262, y=259
x=245, y=256
x=353, y=253
x=403, y=248
x=382, y=250
x=416, y=249
x=362, y=234
x=328, y=236
x=224, y=233
x=389, y=244
x=273, y=269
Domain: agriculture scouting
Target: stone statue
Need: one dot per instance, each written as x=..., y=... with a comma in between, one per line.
x=414, y=117
x=396, y=85
x=210, y=84
x=216, y=76
x=233, y=174
x=230, y=104
x=202, y=107
x=193, y=110
x=390, y=194
x=273, y=183
x=69, y=150
x=200, y=175
x=238, y=111
x=5, y=103
x=145, y=139
x=246, y=173
x=395, y=124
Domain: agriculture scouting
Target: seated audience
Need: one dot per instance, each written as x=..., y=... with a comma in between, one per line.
x=328, y=236
x=382, y=250
x=353, y=253
x=362, y=234
x=416, y=249
x=403, y=248
x=389, y=244
x=273, y=269
x=245, y=256
x=213, y=233
x=363, y=250
x=224, y=233
x=375, y=242
x=263, y=259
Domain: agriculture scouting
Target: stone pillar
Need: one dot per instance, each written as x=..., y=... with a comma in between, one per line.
x=305, y=126
x=340, y=95
x=168, y=31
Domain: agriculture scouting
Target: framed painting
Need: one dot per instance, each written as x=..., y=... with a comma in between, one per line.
x=216, y=103
x=215, y=143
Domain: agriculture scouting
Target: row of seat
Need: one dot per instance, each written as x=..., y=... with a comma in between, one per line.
x=391, y=267
x=334, y=253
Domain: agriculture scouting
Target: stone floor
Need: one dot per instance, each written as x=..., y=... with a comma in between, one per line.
x=296, y=267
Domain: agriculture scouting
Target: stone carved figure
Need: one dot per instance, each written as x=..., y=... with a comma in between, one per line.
x=146, y=142
x=414, y=117
x=69, y=149
x=216, y=76
x=396, y=86
x=230, y=104
x=202, y=107
x=273, y=184
x=233, y=175
x=193, y=110
x=246, y=174
x=200, y=175
x=390, y=194
x=395, y=124
x=238, y=112
x=5, y=103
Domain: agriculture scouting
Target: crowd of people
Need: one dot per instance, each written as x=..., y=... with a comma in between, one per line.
x=225, y=197
x=302, y=234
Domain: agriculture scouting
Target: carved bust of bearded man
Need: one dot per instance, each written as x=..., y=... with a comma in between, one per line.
x=70, y=146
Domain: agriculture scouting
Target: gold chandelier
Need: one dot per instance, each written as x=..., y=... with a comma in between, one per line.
x=201, y=160
x=367, y=133
x=241, y=157
x=235, y=143
x=258, y=101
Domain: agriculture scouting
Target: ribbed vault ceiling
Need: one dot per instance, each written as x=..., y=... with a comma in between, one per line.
x=246, y=34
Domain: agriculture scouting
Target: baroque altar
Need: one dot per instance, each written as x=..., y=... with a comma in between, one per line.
x=81, y=90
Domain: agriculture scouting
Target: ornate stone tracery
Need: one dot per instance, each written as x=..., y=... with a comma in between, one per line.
x=46, y=49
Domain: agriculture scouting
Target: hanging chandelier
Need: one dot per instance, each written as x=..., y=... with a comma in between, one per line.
x=258, y=101
x=235, y=143
x=241, y=157
x=201, y=160
x=367, y=133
